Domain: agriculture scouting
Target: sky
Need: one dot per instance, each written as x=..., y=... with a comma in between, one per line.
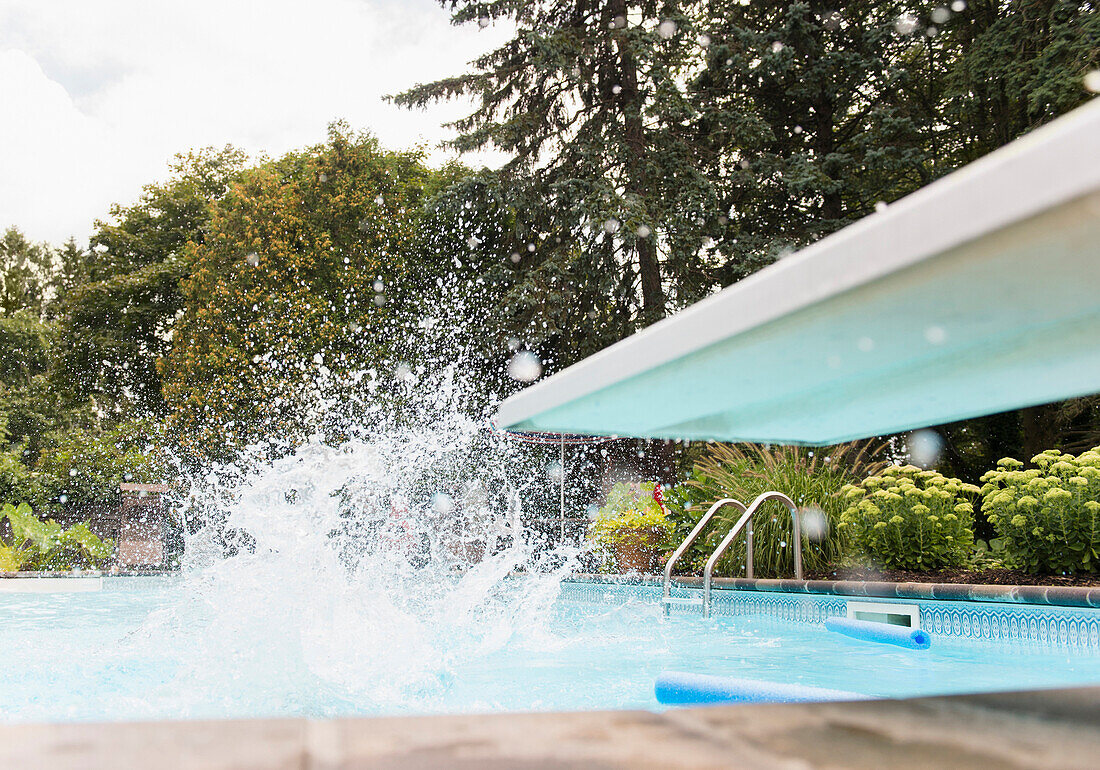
x=97, y=97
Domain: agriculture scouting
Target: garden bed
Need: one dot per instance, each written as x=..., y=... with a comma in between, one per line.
x=1000, y=577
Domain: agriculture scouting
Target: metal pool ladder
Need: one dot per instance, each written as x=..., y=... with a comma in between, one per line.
x=743, y=523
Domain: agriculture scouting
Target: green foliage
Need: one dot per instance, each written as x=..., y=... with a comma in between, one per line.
x=80, y=471
x=293, y=282
x=17, y=481
x=1049, y=515
x=25, y=274
x=812, y=478
x=908, y=518
x=46, y=545
x=631, y=516
x=120, y=300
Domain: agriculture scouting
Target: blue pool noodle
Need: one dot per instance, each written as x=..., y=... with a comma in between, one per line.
x=681, y=687
x=913, y=638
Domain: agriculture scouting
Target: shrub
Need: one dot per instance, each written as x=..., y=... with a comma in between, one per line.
x=46, y=545
x=908, y=518
x=632, y=516
x=1049, y=515
x=812, y=478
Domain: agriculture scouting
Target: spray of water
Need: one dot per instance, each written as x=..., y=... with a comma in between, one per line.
x=366, y=564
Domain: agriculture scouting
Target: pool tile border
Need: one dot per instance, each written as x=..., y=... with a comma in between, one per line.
x=1061, y=596
x=1065, y=628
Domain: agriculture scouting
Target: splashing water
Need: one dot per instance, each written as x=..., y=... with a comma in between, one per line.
x=362, y=573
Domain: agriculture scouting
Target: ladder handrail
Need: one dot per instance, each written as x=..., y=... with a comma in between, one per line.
x=691, y=539
x=746, y=518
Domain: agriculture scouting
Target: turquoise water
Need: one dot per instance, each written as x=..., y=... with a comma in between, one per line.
x=165, y=651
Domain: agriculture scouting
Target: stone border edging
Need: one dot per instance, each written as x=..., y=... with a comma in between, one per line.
x=1058, y=596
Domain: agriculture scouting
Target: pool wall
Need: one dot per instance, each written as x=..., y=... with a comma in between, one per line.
x=1068, y=628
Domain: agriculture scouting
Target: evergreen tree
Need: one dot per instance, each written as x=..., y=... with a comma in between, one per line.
x=588, y=98
x=805, y=112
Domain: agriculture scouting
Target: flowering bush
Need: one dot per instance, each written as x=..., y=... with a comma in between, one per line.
x=1049, y=515
x=908, y=518
x=633, y=515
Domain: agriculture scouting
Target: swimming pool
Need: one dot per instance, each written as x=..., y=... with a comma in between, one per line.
x=153, y=648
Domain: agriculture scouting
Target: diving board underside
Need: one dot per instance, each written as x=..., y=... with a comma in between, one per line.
x=977, y=294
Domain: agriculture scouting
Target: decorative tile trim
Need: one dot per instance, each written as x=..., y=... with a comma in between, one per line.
x=1072, y=629
x=1061, y=596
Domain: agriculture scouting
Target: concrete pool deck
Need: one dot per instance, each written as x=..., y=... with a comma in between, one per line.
x=1032, y=729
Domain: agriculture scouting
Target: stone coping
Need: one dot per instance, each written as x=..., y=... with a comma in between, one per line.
x=1010, y=731
x=1060, y=596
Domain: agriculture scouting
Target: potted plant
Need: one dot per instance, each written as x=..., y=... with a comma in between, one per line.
x=632, y=527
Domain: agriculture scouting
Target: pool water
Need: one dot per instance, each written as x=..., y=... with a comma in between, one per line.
x=153, y=649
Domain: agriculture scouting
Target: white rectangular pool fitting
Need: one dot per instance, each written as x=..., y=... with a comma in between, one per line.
x=907, y=615
x=974, y=295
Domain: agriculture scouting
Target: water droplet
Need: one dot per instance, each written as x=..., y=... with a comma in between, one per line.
x=1092, y=81
x=553, y=472
x=515, y=257
x=777, y=47
x=63, y=498
x=935, y=335
x=483, y=22
x=958, y=6
x=378, y=285
x=940, y=15
x=525, y=366
x=442, y=502
x=798, y=129
x=643, y=231
x=473, y=242
x=880, y=206
x=666, y=29
x=704, y=40
x=322, y=177
x=906, y=24
x=865, y=344
x=72, y=471
x=379, y=299
x=253, y=259
x=379, y=200
x=925, y=447
x=932, y=30
x=814, y=523
x=616, y=89
x=531, y=247
x=611, y=225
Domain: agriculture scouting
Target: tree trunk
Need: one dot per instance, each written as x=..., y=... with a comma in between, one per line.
x=630, y=102
x=1038, y=429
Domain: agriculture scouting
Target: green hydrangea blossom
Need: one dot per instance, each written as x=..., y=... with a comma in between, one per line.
x=1048, y=515
x=918, y=518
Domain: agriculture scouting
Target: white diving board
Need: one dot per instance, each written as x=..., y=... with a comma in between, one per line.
x=976, y=294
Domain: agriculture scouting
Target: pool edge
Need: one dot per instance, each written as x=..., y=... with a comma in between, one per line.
x=1053, y=596
x=1031, y=728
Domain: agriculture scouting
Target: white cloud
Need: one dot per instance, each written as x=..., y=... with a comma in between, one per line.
x=97, y=97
